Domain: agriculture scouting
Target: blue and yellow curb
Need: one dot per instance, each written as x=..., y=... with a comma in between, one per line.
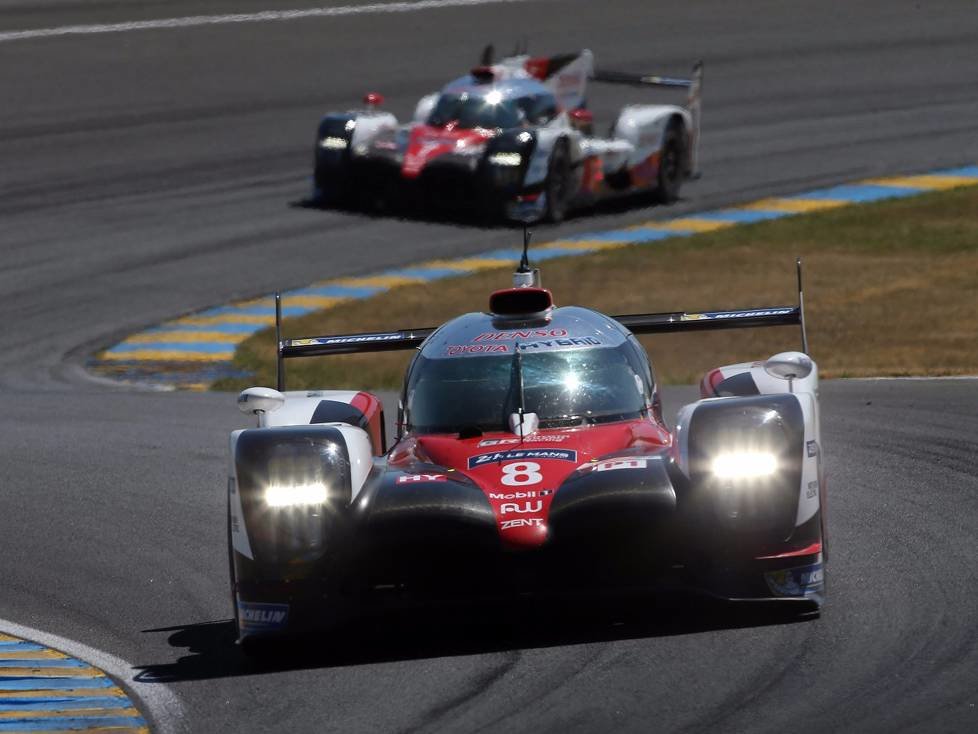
x=193, y=351
x=45, y=690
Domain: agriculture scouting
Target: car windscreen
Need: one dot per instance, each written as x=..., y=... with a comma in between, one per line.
x=472, y=110
x=566, y=387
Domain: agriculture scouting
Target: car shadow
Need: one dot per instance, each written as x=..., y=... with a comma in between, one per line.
x=618, y=205
x=208, y=649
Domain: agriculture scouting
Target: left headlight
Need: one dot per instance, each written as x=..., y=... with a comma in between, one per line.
x=505, y=159
x=333, y=142
x=744, y=465
x=295, y=495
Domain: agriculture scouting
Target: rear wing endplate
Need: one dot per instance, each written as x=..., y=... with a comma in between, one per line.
x=643, y=323
x=694, y=85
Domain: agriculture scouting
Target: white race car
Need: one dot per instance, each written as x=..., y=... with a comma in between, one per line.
x=513, y=139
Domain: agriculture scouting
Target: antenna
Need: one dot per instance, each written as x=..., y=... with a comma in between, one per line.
x=525, y=260
x=525, y=276
x=521, y=395
x=801, y=308
x=279, y=362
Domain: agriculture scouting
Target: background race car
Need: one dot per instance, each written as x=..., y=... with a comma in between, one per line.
x=513, y=140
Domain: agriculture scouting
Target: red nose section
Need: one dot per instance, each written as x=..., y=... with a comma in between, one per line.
x=427, y=143
x=521, y=478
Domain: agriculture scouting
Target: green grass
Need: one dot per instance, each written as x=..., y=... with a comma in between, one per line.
x=891, y=289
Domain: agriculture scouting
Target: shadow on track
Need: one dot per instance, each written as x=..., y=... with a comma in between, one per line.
x=469, y=217
x=214, y=654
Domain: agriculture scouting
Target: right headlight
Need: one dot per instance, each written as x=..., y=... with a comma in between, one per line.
x=736, y=465
x=505, y=159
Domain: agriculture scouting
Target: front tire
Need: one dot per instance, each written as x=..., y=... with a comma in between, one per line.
x=233, y=578
x=670, y=176
x=558, y=186
x=333, y=186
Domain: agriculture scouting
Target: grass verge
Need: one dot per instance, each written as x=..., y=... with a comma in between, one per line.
x=891, y=290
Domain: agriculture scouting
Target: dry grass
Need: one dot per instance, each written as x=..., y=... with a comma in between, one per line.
x=891, y=289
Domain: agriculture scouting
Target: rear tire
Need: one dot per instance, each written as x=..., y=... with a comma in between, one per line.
x=670, y=176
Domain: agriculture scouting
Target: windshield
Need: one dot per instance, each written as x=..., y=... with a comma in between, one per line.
x=564, y=388
x=471, y=111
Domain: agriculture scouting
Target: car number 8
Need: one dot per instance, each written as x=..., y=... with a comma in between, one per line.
x=521, y=473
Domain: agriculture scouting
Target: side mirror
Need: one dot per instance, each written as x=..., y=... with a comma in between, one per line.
x=789, y=366
x=424, y=107
x=260, y=400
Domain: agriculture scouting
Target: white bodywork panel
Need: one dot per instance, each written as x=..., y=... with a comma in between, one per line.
x=369, y=124
x=547, y=137
x=361, y=457
x=643, y=127
x=569, y=85
x=300, y=405
x=614, y=153
x=239, y=533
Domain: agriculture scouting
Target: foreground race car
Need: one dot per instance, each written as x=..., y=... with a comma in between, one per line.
x=531, y=460
x=512, y=140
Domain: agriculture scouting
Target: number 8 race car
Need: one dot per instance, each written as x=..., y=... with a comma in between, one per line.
x=514, y=139
x=531, y=459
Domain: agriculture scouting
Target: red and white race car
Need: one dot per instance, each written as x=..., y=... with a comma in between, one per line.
x=532, y=460
x=513, y=139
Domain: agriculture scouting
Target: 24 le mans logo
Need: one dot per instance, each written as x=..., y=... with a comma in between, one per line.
x=516, y=454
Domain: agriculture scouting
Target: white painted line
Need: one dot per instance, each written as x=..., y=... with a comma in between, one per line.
x=263, y=16
x=910, y=377
x=157, y=702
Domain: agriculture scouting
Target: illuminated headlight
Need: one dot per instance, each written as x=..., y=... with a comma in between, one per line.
x=331, y=142
x=745, y=465
x=505, y=159
x=295, y=495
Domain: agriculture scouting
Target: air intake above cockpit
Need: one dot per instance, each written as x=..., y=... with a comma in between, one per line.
x=527, y=303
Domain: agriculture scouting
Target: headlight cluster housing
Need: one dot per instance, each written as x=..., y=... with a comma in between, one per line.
x=507, y=157
x=294, y=485
x=745, y=461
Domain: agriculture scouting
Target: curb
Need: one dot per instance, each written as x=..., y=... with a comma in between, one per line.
x=45, y=690
x=191, y=352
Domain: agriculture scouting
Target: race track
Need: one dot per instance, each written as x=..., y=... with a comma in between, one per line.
x=148, y=173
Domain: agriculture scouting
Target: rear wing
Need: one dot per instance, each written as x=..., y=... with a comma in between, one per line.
x=643, y=323
x=693, y=85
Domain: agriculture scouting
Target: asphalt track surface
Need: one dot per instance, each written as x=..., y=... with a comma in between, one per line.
x=149, y=173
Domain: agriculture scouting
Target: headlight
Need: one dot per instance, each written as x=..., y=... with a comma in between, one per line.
x=745, y=465
x=295, y=495
x=332, y=142
x=505, y=159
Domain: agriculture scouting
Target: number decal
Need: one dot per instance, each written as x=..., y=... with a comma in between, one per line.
x=521, y=474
